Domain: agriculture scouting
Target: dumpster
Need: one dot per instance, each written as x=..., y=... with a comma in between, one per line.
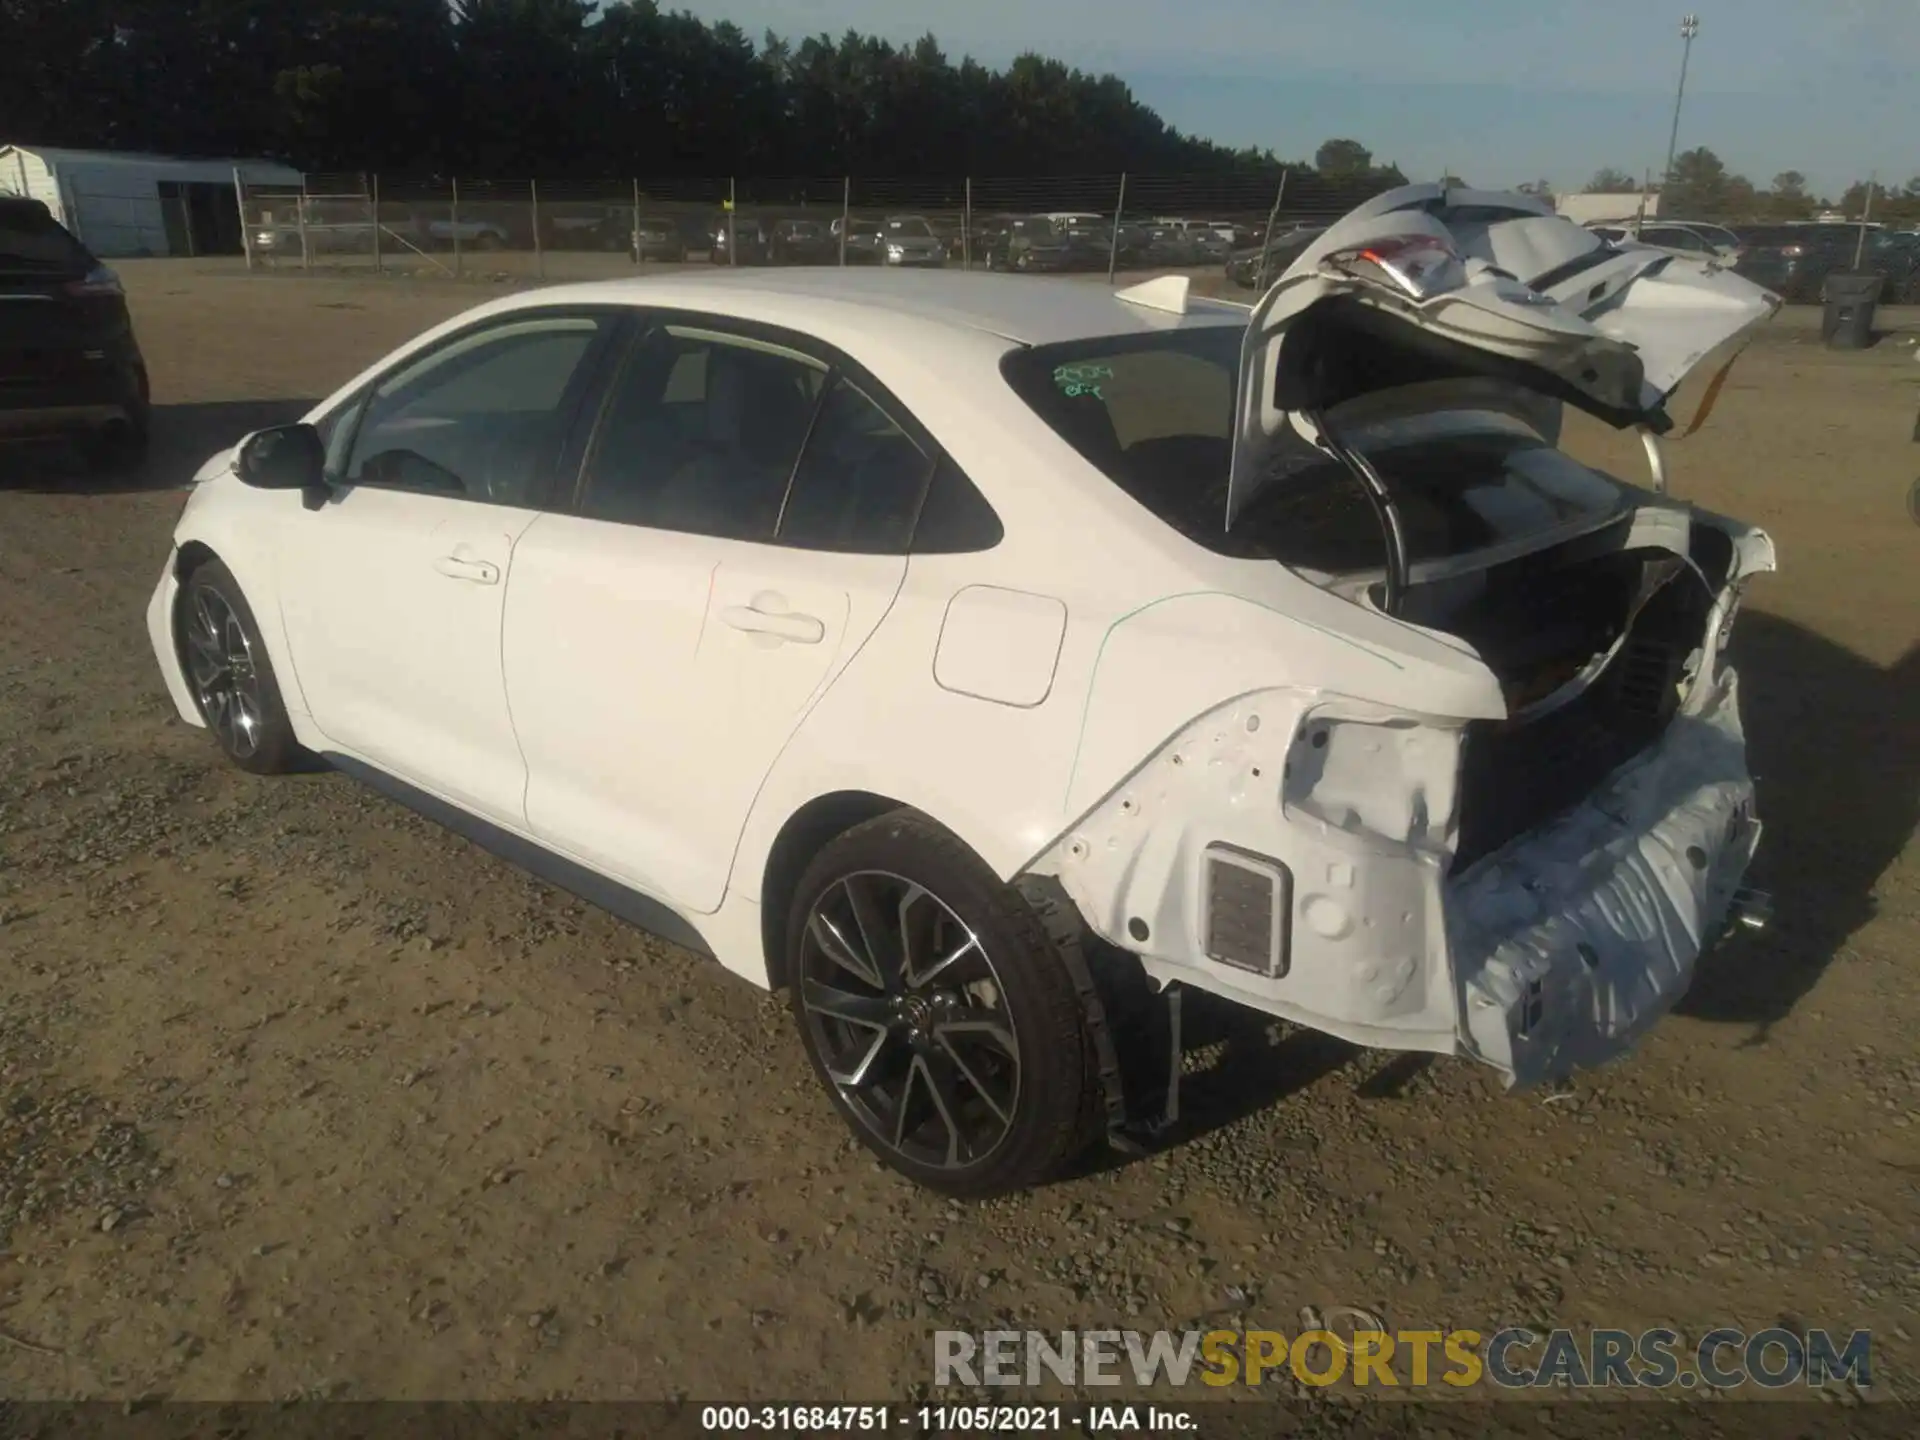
x=1850, y=296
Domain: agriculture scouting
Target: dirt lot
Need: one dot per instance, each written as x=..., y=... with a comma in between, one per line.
x=302, y=1096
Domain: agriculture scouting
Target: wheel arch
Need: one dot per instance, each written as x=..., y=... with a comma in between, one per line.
x=805, y=832
x=262, y=597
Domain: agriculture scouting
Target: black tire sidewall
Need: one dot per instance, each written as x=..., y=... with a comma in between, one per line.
x=1050, y=1126
x=278, y=749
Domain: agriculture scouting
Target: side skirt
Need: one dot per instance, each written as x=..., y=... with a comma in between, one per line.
x=642, y=912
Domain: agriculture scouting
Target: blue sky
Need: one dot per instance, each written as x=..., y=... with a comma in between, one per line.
x=1498, y=91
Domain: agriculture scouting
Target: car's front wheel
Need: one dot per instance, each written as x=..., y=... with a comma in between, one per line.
x=230, y=675
x=937, y=1012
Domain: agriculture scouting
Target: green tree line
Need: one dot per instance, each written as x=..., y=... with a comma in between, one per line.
x=565, y=88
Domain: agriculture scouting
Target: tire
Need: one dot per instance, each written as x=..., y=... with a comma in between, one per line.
x=487, y=240
x=230, y=674
x=118, y=448
x=974, y=1078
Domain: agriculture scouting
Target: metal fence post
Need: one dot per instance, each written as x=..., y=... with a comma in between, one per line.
x=240, y=200
x=1113, y=244
x=1866, y=217
x=1273, y=219
x=454, y=227
x=966, y=228
x=300, y=219
x=846, y=213
x=733, y=235
x=373, y=188
x=638, y=258
x=539, y=250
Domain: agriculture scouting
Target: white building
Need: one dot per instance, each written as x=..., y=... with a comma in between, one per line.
x=121, y=203
x=1607, y=208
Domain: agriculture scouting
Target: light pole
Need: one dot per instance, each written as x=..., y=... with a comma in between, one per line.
x=1689, y=27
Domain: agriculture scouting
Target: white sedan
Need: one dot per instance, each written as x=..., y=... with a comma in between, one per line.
x=951, y=649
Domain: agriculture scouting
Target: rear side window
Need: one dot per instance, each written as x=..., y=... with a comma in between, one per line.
x=956, y=518
x=1154, y=413
x=31, y=239
x=859, y=482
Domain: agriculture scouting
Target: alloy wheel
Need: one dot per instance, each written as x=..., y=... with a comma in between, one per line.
x=226, y=681
x=909, y=1018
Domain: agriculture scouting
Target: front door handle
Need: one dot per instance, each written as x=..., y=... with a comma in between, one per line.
x=803, y=629
x=481, y=572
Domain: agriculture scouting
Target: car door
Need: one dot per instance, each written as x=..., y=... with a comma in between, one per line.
x=741, y=525
x=392, y=591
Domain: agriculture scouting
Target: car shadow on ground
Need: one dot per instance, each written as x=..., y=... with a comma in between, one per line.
x=1830, y=740
x=183, y=437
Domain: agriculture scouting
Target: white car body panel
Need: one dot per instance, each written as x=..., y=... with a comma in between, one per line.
x=729, y=646
x=1103, y=711
x=392, y=608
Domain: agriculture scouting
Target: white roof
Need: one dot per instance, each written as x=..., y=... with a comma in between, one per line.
x=136, y=159
x=1020, y=308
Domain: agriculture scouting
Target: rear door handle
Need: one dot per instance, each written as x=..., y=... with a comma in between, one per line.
x=481, y=572
x=803, y=629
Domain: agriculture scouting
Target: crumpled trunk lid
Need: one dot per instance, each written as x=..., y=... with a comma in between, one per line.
x=1427, y=283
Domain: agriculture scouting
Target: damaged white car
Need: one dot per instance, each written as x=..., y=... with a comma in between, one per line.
x=936, y=646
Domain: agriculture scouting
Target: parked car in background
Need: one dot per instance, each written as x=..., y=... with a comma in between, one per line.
x=899, y=240
x=70, y=366
x=1712, y=242
x=951, y=232
x=739, y=240
x=1245, y=268
x=802, y=242
x=1232, y=233
x=1897, y=254
x=472, y=232
x=657, y=237
x=1794, y=261
x=287, y=229
x=588, y=227
x=1033, y=242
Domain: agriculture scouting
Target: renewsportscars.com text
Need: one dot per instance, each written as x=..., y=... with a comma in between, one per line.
x=1512, y=1358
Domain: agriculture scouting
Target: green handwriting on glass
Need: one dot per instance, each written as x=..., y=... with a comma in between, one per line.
x=1077, y=380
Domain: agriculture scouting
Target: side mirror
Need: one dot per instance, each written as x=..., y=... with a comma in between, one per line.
x=287, y=457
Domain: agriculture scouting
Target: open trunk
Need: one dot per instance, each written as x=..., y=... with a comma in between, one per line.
x=1396, y=400
x=1421, y=351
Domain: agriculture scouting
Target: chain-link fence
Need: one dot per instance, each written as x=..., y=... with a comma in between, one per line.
x=539, y=229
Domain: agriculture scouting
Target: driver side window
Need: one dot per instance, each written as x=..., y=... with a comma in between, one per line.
x=481, y=417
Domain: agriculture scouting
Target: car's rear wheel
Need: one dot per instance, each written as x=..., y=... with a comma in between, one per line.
x=230, y=674
x=937, y=1012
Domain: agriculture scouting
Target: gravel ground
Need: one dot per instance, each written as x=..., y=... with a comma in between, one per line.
x=301, y=1096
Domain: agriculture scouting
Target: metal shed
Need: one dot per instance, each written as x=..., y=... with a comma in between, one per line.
x=121, y=203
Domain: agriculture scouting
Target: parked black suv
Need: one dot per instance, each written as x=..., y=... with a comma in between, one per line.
x=69, y=364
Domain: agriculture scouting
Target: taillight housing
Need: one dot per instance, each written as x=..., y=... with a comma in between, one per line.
x=1419, y=266
x=99, y=281
x=1793, y=252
